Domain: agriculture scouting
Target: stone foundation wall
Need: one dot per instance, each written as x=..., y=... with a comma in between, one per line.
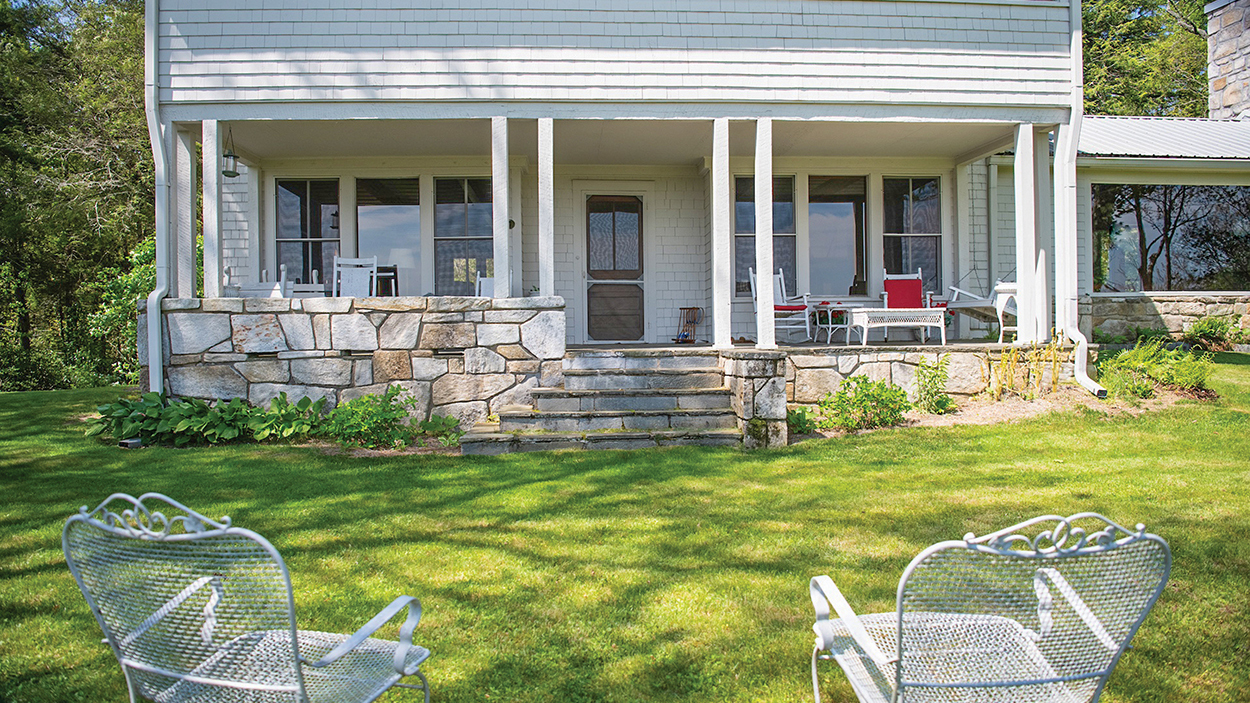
x=757, y=393
x=813, y=374
x=1175, y=312
x=460, y=356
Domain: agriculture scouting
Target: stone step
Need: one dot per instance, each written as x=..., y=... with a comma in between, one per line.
x=609, y=379
x=615, y=420
x=641, y=359
x=486, y=439
x=562, y=400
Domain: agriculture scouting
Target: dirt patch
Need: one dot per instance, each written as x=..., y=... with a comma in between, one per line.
x=983, y=410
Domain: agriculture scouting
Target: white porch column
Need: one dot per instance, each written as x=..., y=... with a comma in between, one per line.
x=499, y=204
x=1066, y=274
x=546, y=207
x=211, y=151
x=766, y=331
x=722, y=238
x=182, y=253
x=1026, y=234
x=1042, y=254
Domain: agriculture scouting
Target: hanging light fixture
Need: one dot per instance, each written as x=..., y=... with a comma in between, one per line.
x=230, y=160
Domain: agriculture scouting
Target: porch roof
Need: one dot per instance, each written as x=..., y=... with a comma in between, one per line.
x=1165, y=137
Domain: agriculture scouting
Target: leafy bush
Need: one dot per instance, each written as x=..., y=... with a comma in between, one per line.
x=286, y=420
x=861, y=403
x=801, y=420
x=931, y=380
x=126, y=418
x=42, y=369
x=155, y=420
x=1209, y=333
x=1134, y=373
x=373, y=421
x=443, y=428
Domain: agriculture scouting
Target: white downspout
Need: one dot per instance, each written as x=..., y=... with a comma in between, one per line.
x=1065, y=182
x=160, y=160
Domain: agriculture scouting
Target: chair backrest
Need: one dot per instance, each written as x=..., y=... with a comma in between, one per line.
x=904, y=290
x=1076, y=587
x=355, y=278
x=180, y=595
x=485, y=287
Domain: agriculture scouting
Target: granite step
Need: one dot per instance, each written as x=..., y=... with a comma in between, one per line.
x=486, y=439
x=562, y=400
x=615, y=379
x=517, y=420
x=641, y=359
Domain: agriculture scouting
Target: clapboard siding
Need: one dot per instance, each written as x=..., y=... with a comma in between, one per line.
x=500, y=50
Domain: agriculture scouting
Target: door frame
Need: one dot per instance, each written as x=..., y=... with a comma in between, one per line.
x=645, y=191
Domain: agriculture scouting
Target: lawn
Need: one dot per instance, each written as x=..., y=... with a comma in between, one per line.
x=661, y=575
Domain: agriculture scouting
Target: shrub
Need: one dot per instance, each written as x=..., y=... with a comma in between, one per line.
x=154, y=420
x=861, y=403
x=373, y=421
x=1209, y=333
x=42, y=369
x=931, y=380
x=125, y=418
x=286, y=420
x=801, y=420
x=443, y=428
x=1134, y=373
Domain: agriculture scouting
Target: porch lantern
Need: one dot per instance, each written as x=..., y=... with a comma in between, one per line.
x=230, y=160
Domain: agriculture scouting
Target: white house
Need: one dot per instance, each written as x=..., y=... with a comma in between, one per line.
x=622, y=160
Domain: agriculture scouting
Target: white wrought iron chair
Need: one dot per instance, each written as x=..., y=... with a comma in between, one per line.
x=1011, y=617
x=199, y=611
x=355, y=278
x=789, y=313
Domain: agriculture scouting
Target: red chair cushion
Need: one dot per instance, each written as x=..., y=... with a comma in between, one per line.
x=904, y=292
x=789, y=308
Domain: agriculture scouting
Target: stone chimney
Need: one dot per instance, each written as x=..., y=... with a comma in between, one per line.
x=1228, y=58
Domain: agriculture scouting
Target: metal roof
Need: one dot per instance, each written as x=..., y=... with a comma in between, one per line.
x=1165, y=137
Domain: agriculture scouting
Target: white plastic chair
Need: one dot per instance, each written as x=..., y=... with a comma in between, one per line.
x=1040, y=611
x=355, y=278
x=484, y=287
x=789, y=313
x=199, y=611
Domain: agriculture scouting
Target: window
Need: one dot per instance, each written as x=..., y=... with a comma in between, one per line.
x=835, y=226
x=1171, y=238
x=388, y=226
x=463, y=229
x=785, y=251
x=913, y=228
x=614, y=237
x=308, y=228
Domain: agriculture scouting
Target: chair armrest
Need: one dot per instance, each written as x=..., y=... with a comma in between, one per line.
x=405, y=634
x=824, y=592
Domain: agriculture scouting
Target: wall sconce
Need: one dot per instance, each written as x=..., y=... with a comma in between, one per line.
x=230, y=160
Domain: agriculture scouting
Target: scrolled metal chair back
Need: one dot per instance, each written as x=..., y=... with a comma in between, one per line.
x=1077, y=588
x=177, y=593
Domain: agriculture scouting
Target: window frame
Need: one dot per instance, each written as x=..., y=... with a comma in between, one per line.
x=795, y=179
x=306, y=227
x=938, y=288
x=436, y=239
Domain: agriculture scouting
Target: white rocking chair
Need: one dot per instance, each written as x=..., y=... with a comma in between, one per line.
x=1014, y=616
x=199, y=611
x=789, y=313
x=355, y=278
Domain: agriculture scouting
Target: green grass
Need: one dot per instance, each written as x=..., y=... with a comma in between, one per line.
x=666, y=575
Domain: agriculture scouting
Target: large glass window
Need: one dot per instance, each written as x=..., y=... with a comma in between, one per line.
x=463, y=229
x=785, y=251
x=388, y=225
x=1169, y=237
x=913, y=228
x=308, y=228
x=835, y=225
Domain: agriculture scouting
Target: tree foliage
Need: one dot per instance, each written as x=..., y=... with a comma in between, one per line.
x=1145, y=57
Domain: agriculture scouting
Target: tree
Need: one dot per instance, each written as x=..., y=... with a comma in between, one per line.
x=1145, y=57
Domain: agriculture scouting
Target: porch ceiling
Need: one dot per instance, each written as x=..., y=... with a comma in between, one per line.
x=609, y=141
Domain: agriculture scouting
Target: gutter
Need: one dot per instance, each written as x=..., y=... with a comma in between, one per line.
x=160, y=159
x=1066, y=154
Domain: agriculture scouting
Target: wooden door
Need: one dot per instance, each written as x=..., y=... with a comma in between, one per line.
x=614, y=261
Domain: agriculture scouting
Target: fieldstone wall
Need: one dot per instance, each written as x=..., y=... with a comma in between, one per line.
x=813, y=374
x=1175, y=312
x=757, y=393
x=1228, y=53
x=460, y=356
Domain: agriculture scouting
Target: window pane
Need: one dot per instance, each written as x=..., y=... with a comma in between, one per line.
x=292, y=255
x=291, y=211
x=457, y=262
x=627, y=230
x=835, y=189
x=744, y=258
x=926, y=206
x=600, y=237
x=480, y=220
x=744, y=206
x=783, y=205
x=836, y=231
x=323, y=209
x=448, y=190
x=389, y=227
x=906, y=254
x=784, y=257
x=896, y=197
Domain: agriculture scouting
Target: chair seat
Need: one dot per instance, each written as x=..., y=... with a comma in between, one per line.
x=946, y=648
x=361, y=675
x=790, y=308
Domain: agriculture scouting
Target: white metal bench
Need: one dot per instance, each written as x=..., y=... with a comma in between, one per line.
x=870, y=318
